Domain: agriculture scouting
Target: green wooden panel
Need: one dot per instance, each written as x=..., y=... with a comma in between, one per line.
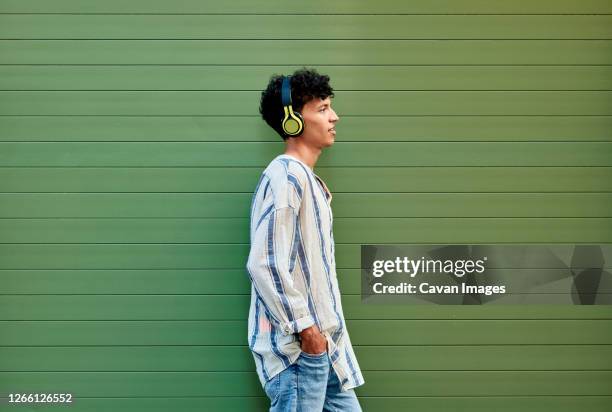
x=338, y=179
x=165, y=281
x=378, y=383
x=480, y=357
x=457, y=383
x=547, y=84
x=306, y=52
x=472, y=230
x=431, y=404
x=354, y=103
x=245, y=403
x=191, y=230
x=254, y=129
x=221, y=282
x=347, y=230
x=215, y=205
x=313, y=6
x=202, y=26
x=362, y=332
x=136, y=384
x=64, y=77
x=166, y=358
x=354, y=309
x=131, y=205
x=234, y=256
x=472, y=205
x=371, y=358
x=125, y=307
x=236, y=307
x=122, y=256
x=459, y=179
x=449, y=332
x=147, y=333
x=366, y=154
x=485, y=403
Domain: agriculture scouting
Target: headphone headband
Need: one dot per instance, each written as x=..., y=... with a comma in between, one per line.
x=286, y=91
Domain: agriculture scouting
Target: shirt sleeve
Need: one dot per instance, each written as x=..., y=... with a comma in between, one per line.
x=272, y=254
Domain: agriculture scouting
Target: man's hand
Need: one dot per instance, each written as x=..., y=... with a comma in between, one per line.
x=313, y=341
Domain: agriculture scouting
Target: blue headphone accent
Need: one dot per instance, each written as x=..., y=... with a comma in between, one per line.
x=286, y=91
x=293, y=123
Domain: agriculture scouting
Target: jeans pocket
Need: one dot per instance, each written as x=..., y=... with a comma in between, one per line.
x=272, y=388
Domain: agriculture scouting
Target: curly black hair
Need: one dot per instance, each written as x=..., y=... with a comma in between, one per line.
x=306, y=84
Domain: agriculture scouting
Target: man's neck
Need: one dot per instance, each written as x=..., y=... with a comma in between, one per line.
x=306, y=154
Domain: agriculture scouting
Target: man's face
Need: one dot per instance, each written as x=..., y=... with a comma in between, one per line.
x=319, y=122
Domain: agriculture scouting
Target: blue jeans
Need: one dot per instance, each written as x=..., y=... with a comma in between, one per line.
x=310, y=385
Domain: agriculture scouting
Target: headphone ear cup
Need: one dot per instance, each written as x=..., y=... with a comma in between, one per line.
x=298, y=115
x=293, y=123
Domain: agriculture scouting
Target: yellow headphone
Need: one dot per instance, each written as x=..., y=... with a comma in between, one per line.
x=293, y=124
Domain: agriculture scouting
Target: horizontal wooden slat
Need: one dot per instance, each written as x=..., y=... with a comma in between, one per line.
x=216, y=205
x=206, y=230
x=472, y=230
x=387, y=332
x=86, y=333
x=313, y=6
x=234, y=256
x=501, y=404
x=487, y=383
x=371, y=358
x=484, y=403
x=236, y=307
x=362, y=332
x=168, y=281
x=261, y=403
x=422, y=383
x=370, y=154
x=253, y=128
x=73, y=256
x=230, y=281
x=354, y=103
x=67, y=77
x=244, y=26
x=338, y=179
x=306, y=52
x=127, y=307
x=113, y=205
x=346, y=230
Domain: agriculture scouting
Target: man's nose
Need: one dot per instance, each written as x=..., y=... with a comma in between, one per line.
x=335, y=117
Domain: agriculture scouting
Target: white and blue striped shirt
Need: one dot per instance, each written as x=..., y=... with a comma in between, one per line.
x=293, y=272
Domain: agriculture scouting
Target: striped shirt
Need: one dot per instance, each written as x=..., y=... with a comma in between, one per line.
x=292, y=269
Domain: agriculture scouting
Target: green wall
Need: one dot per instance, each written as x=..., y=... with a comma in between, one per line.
x=130, y=144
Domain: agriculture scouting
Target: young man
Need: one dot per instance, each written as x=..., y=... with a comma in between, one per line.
x=297, y=333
